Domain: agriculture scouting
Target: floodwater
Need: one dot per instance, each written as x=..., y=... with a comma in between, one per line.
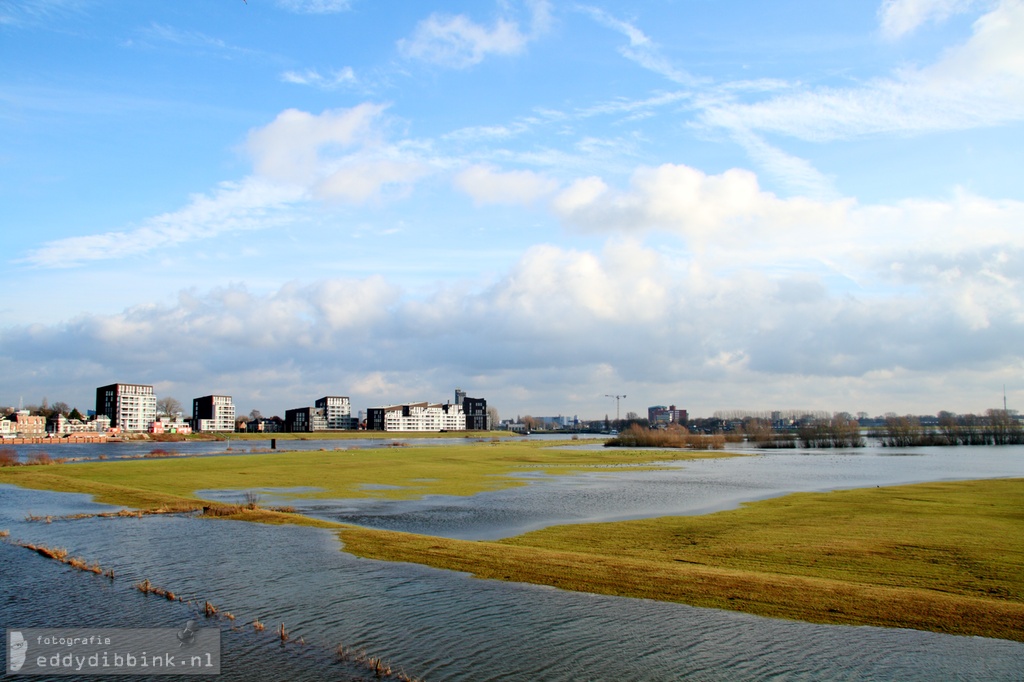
x=441, y=625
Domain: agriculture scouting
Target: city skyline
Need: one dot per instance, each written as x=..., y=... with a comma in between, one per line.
x=729, y=206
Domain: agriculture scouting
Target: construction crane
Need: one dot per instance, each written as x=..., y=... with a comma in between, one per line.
x=617, y=398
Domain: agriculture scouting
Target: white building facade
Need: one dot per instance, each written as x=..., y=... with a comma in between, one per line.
x=416, y=417
x=337, y=411
x=131, y=407
x=214, y=413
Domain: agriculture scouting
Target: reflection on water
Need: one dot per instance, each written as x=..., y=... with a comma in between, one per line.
x=441, y=625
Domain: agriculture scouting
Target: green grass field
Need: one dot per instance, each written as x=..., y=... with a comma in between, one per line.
x=409, y=472
x=946, y=557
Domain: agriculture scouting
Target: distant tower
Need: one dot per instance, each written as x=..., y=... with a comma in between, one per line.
x=460, y=396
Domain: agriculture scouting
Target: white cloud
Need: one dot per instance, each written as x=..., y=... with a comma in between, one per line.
x=486, y=185
x=293, y=147
x=977, y=84
x=641, y=49
x=703, y=208
x=339, y=154
x=33, y=12
x=332, y=81
x=899, y=17
x=315, y=6
x=233, y=207
x=561, y=318
x=358, y=178
x=965, y=250
x=797, y=174
x=457, y=41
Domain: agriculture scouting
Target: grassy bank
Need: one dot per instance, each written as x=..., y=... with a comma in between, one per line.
x=391, y=472
x=946, y=557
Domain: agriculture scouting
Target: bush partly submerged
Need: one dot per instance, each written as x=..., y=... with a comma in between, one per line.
x=637, y=436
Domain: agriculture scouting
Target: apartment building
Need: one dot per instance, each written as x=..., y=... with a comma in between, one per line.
x=659, y=415
x=131, y=407
x=337, y=411
x=416, y=417
x=213, y=413
x=305, y=419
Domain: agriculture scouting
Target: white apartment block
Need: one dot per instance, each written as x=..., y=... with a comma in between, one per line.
x=213, y=413
x=416, y=417
x=131, y=407
x=337, y=411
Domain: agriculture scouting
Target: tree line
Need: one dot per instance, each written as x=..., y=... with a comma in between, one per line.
x=995, y=427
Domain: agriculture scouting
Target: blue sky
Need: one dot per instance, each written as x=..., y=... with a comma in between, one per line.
x=718, y=205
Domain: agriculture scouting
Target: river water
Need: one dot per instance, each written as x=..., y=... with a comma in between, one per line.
x=441, y=625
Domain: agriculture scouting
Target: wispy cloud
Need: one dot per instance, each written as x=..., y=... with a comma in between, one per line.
x=157, y=33
x=641, y=49
x=900, y=17
x=315, y=6
x=339, y=155
x=457, y=41
x=35, y=12
x=233, y=207
x=331, y=81
x=977, y=84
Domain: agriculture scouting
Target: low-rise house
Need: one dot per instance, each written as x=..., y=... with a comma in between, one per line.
x=170, y=425
x=265, y=425
x=28, y=425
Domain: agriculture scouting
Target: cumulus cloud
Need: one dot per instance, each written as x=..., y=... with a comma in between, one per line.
x=457, y=41
x=965, y=251
x=486, y=185
x=729, y=213
x=338, y=154
x=292, y=147
x=556, y=317
x=703, y=208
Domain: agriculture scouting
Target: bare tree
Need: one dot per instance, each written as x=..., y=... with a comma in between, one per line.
x=60, y=408
x=492, y=417
x=168, y=407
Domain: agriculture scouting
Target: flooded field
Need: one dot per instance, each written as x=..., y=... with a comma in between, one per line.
x=440, y=625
